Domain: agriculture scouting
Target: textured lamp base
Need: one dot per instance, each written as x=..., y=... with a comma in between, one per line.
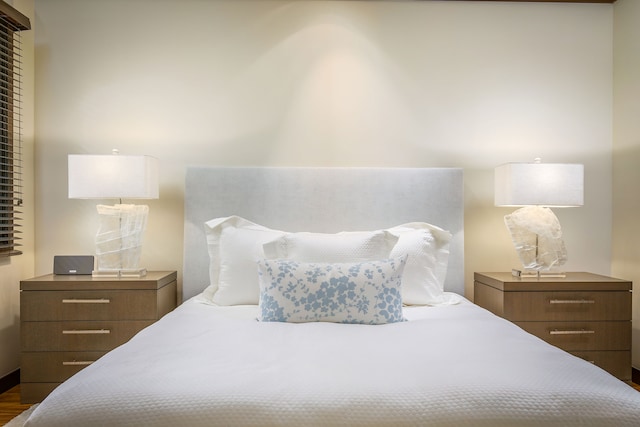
x=119, y=240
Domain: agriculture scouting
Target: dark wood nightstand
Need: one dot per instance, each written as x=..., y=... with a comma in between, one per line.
x=67, y=322
x=586, y=314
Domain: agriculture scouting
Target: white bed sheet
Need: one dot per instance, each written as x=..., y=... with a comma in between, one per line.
x=447, y=366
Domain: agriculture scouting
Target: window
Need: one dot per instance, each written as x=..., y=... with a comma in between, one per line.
x=11, y=23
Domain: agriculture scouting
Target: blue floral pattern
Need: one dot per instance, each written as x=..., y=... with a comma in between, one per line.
x=364, y=292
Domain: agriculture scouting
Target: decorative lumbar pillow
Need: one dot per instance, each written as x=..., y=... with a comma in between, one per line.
x=367, y=292
x=427, y=249
x=235, y=245
x=346, y=246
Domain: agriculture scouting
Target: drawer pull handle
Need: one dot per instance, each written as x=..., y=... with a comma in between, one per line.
x=78, y=363
x=86, y=301
x=572, y=332
x=86, y=331
x=572, y=301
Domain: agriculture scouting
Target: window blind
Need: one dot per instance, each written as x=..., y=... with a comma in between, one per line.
x=12, y=23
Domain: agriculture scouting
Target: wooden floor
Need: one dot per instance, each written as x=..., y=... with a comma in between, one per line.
x=10, y=406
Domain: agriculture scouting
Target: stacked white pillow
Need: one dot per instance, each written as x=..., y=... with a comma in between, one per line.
x=427, y=250
x=346, y=246
x=236, y=245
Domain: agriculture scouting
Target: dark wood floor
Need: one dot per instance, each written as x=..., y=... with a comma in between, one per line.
x=10, y=406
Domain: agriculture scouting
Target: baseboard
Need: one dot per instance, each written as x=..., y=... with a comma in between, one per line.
x=10, y=380
x=635, y=375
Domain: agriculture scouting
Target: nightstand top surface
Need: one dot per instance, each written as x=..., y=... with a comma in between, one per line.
x=505, y=281
x=153, y=280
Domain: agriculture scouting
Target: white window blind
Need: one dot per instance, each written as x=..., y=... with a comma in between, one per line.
x=12, y=23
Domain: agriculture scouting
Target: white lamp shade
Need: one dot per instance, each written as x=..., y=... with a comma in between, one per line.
x=541, y=184
x=112, y=176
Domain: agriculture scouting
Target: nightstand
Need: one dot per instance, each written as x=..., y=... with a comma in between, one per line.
x=67, y=322
x=585, y=314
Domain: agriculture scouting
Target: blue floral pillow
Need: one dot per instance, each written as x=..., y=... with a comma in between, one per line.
x=363, y=292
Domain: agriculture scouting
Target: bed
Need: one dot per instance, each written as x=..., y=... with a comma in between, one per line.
x=332, y=296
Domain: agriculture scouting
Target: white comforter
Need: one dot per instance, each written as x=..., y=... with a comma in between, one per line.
x=448, y=366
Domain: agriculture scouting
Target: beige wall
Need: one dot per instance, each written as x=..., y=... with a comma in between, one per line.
x=16, y=268
x=342, y=83
x=626, y=154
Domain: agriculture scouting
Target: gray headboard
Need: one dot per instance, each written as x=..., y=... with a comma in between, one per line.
x=321, y=200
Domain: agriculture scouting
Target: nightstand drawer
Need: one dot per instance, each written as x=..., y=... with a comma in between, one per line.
x=617, y=363
x=89, y=305
x=54, y=366
x=582, y=336
x=559, y=306
x=78, y=336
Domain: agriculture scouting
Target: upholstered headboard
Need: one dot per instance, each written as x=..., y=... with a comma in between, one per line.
x=321, y=200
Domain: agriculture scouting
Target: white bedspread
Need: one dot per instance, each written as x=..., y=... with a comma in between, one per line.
x=448, y=366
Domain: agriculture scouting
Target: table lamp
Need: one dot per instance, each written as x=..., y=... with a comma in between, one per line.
x=115, y=176
x=535, y=230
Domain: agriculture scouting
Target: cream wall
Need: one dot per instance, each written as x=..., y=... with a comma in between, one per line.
x=342, y=83
x=16, y=268
x=626, y=154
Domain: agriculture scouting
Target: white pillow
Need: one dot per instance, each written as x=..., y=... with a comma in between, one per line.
x=363, y=292
x=235, y=245
x=427, y=248
x=346, y=246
